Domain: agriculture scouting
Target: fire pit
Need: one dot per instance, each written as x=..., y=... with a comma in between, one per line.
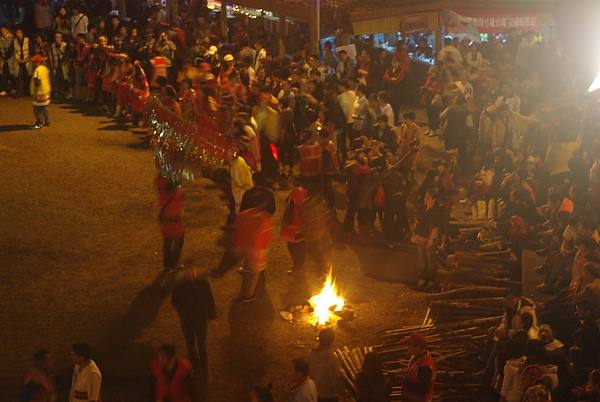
x=326, y=303
x=328, y=307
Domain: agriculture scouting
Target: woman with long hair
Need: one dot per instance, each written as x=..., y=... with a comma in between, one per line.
x=371, y=384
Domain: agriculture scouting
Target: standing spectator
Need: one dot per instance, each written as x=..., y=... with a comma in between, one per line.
x=171, y=224
x=371, y=384
x=7, y=49
x=303, y=388
x=62, y=23
x=359, y=114
x=118, y=40
x=324, y=368
x=252, y=236
x=22, y=58
x=457, y=129
x=311, y=161
x=40, y=89
x=193, y=299
x=38, y=386
x=393, y=78
x=329, y=165
x=79, y=21
x=450, y=54
x=140, y=90
x=346, y=66
x=386, y=109
x=408, y=139
x=428, y=223
x=378, y=70
x=82, y=51
x=346, y=100
x=241, y=176
x=171, y=376
x=432, y=99
x=329, y=60
x=474, y=59
x=382, y=132
x=59, y=64
x=87, y=379
x=419, y=376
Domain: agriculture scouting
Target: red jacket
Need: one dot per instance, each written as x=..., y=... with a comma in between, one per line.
x=411, y=375
x=178, y=388
x=291, y=227
x=171, y=205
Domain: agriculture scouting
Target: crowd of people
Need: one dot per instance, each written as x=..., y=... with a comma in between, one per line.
x=517, y=134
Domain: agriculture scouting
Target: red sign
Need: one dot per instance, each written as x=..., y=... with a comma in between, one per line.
x=488, y=21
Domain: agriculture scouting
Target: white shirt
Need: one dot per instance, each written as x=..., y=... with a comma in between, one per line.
x=389, y=112
x=79, y=24
x=359, y=109
x=346, y=101
x=85, y=385
x=450, y=52
x=305, y=392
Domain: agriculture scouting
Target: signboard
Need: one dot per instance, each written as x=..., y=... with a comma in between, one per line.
x=415, y=23
x=491, y=21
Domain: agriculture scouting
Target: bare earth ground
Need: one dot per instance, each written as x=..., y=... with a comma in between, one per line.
x=80, y=261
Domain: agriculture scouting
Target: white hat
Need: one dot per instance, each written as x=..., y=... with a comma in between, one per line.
x=228, y=57
x=212, y=50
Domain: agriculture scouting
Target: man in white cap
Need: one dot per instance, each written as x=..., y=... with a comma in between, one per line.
x=227, y=69
x=212, y=57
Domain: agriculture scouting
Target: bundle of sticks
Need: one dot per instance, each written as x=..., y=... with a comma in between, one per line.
x=456, y=348
x=351, y=361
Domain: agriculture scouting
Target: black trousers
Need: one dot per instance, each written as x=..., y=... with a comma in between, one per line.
x=194, y=332
x=298, y=254
x=22, y=84
x=171, y=251
x=395, y=221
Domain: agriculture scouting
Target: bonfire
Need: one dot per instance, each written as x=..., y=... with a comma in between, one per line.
x=327, y=302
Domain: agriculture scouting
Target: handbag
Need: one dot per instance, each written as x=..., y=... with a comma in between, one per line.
x=436, y=101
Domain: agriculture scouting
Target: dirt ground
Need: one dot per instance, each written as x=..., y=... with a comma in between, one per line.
x=81, y=261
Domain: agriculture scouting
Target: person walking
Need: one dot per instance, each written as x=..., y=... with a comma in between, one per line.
x=171, y=376
x=419, y=376
x=87, y=379
x=292, y=228
x=39, y=386
x=252, y=236
x=324, y=368
x=172, y=228
x=40, y=89
x=193, y=299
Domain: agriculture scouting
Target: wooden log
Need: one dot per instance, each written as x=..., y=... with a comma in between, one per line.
x=468, y=292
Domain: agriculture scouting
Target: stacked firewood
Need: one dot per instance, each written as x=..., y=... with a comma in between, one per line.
x=456, y=349
x=351, y=361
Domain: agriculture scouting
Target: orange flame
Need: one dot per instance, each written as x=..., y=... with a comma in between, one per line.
x=327, y=301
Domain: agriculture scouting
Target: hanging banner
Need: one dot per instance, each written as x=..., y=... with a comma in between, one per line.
x=499, y=21
x=458, y=24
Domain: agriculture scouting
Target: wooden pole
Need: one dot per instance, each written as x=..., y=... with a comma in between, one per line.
x=315, y=25
x=281, y=31
x=224, y=28
x=439, y=33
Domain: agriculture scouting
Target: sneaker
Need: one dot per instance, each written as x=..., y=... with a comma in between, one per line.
x=290, y=273
x=248, y=299
x=541, y=270
x=37, y=127
x=421, y=283
x=243, y=271
x=69, y=96
x=3, y=93
x=541, y=252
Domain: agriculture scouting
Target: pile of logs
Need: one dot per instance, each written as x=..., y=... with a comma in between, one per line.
x=456, y=348
x=351, y=361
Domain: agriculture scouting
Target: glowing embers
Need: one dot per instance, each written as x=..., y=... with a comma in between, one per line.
x=326, y=303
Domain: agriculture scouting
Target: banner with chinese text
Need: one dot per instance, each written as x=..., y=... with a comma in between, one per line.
x=498, y=21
